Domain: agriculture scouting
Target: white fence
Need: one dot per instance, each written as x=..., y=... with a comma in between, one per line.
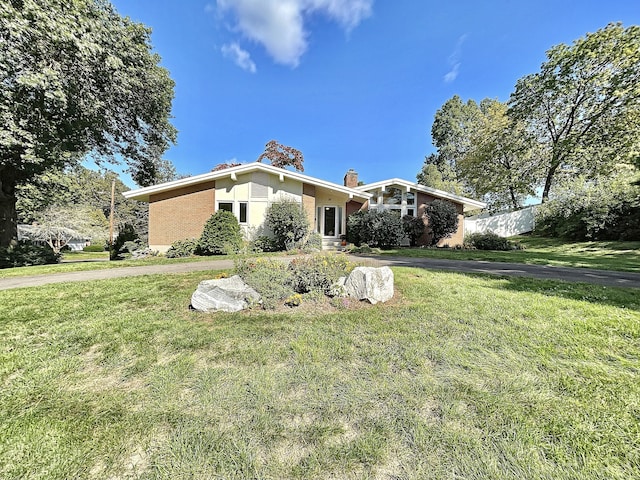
x=504, y=224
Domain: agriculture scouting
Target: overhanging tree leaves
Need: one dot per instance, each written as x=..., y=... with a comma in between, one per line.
x=75, y=79
x=584, y=104
x=282, y=156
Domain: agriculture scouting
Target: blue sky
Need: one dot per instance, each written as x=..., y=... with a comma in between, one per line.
x=350, y=83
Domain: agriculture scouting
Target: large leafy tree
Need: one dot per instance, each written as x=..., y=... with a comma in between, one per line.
x=76, y=78
x=282, y=156
x=584, y=104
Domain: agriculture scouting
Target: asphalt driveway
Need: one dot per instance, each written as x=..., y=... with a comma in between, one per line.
x=586, y=275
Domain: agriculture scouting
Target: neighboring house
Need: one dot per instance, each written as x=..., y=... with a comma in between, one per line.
x=25, y=232
x=179, y=209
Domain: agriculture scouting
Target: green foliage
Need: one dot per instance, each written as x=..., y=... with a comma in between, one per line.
x=288, y=222
x=442, y=220
x=77, y=78
x=489, y=241
x=263, y=243
x=602, y=209
x=25, y=254
x=584, y=104
x=439, y=174
x=381, y=228
x=183, y=248
x=93, y=248
x=314, y=241
x=317, y=273
x=270, y=278
x=413, y=228
x=126, y=233
x=221, y=234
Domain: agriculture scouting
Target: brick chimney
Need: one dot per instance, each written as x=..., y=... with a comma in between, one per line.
x=351, y=178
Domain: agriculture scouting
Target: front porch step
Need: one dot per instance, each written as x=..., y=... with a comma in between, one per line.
x=331, y=244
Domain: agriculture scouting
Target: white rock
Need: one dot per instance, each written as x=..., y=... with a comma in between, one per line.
x=225, y=294
x=371, y=284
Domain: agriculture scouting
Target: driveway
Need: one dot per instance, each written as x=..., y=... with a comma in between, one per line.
x=586, y=275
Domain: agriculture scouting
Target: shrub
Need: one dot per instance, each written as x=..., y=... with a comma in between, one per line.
x=289, y=223
x=413, y=228
x=314, y=242
x=126, y=233
x=270, y=278
x=221, y=234
x=382, y=228
x=94, y=248
x=25, y=254
x=182, y=248
x=263, y=243
x=317, y=273
x=443, y=220
x=488, y=241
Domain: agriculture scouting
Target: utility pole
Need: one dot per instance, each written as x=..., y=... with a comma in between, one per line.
x=113, y=202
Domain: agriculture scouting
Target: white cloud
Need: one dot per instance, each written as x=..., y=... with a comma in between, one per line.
x=241, y=57
x=279, y=25
x=454, y=61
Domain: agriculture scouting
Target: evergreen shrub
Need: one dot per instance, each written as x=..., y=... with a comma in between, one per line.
x=221, y=234
x=25, y=254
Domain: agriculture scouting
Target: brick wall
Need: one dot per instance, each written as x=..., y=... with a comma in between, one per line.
x=179, y=214
x=309, y=203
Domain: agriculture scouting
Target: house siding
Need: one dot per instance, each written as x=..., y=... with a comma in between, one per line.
x=309, y=202
x=179, y=214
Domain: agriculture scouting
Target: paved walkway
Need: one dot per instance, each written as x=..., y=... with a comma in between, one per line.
x=587, y=275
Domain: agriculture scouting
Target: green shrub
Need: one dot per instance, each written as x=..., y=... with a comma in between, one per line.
x=182, y=248
x=413, y=228
x=25, y=254
x=126, y=233
x=263, y=243
x=381, y=228
x=94, y=248
x=488, y=241
x=314, y=242
x=288, y=222
x=317, y=273
x=270, y=278
x=221, y=234
x=442, y=220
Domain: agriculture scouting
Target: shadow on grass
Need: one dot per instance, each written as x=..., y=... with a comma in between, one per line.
x=621, y=297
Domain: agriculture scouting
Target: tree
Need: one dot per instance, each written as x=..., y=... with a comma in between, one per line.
x=57, y=225
x=439, y=174
x=76, y=79
x=499, y=163
x=282, y=156
x=584, y=104
x=442, y=220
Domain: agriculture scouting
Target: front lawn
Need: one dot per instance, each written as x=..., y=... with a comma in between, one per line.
x=620, y=256
x=458, y=377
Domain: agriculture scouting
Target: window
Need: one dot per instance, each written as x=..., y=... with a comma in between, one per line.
x=243, y=212
x=411, y=212
x=392, y=196
x=411, y=198
x=228, y=206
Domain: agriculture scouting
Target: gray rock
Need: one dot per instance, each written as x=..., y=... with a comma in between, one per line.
x=371, y=284
x=225, y=294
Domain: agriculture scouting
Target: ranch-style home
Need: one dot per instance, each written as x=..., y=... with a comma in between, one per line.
x=179, y=209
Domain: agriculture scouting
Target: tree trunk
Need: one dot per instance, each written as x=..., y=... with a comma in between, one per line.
x=555, y=163
x=8, y=216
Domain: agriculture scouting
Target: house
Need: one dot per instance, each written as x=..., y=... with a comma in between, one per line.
x=179, y=209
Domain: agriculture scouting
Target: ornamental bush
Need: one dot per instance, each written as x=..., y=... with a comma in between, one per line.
x=488, y=241
x=26, y=254
x=288, y=222
x=413, y=227
x=183, y=248
x=317, y=273
x=270, y=278
x=221, y=234
x=442, y=220
x=380, y=228
x=93, y=248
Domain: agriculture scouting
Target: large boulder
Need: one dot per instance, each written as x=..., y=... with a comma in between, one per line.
x=371, y=284
x=224, y=294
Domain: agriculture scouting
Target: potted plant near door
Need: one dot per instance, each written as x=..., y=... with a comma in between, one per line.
x=343, y=240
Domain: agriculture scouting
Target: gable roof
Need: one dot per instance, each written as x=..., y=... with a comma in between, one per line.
x=143, y=194
x=468, y=203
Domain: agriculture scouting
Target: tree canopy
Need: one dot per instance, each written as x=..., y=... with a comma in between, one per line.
x=77, y=79
x=282, y=156
x=584, y=104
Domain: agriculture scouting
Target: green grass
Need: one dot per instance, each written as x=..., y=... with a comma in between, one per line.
x=620, y=256
x=460, y=377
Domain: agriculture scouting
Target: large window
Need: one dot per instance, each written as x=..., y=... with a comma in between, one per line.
x=228, y=206
x=395, y=199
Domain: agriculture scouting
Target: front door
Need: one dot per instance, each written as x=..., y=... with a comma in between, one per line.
x=329, y=222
